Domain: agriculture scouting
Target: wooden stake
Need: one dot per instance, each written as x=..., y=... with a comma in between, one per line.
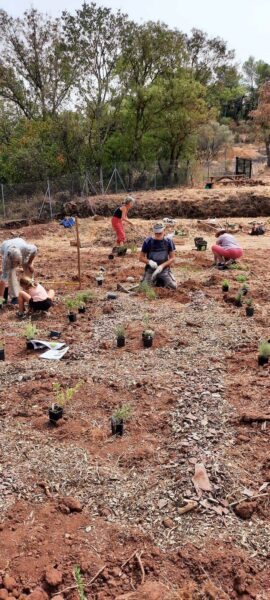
x=78, y=250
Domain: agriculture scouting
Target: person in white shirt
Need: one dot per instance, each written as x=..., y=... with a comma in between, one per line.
x=226, y=248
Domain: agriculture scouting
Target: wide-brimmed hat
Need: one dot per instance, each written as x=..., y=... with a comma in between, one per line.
x=158, y=227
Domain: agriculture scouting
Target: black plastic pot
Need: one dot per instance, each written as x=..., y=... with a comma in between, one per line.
x=29, y=345
x=225, y=288
x=202, y=247
x=81, y=309
x=238, y=303
x=72, y=317
x=121, y=251
x=111, y=257
x=2, y=354
x=99, y=281
x=55, y=334
x=249, y=311
x=244, y=291
x=147, y=341
x=121, y=340
x=262, y=360
x=6, y=294
x=117, y=427
x=56, y=413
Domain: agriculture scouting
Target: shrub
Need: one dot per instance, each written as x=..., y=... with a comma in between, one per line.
x=30, y=331
x=62, y=396
x=122, y=413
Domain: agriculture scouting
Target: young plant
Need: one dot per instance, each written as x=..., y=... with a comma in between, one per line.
x=79, y=581
x=147, y=290
x=148, y=333
x=120, y=331
x=84, y=297
x=71, y=304
x=30, y=331
x=2, y=344
x=133, y=248
x=146, y=318
x=264, y=349
x=238, y=296
x=249, y=302
x=225, y=284
x=122, y=413
x=241, y=278
x=1, y=302
x=62, y=396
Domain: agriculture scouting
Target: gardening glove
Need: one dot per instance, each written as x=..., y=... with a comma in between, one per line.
x=152, y=264
x=157, y=272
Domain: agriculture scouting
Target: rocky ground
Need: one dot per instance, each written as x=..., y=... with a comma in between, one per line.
x=177, y=508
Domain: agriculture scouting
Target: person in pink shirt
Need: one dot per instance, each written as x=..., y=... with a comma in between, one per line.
x=35, y=295
x=226, y=248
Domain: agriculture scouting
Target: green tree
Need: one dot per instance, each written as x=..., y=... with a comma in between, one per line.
x=261, y=116
x=212, y=137
x=35, y=70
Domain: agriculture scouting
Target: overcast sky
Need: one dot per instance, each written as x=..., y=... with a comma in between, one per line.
x=244, y=24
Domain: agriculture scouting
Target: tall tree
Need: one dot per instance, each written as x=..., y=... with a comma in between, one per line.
x=261, y=116
x=35, y=71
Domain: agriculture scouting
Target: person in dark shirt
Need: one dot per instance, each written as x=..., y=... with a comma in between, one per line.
x=120, y=217
x=158, y=254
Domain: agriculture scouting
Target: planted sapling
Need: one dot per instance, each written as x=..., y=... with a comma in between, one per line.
x=72, y=305
x=238, y=299
x=2, y=348
x=79, y=581
x=241, y=278
x=62, y=396
x=249, y=308
x=120, y=336
x=225, y=285
x=264, y=352
x=120, y=415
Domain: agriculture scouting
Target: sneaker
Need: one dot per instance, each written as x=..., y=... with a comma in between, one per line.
x=21, y=315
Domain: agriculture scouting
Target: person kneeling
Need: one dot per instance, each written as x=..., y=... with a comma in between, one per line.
x=35, y=295
x=158, y=254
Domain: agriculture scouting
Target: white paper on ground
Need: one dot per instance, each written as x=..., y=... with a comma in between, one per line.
x=55, y=354
x=39, y=344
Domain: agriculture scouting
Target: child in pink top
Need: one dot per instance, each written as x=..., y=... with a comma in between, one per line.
x=35, y=295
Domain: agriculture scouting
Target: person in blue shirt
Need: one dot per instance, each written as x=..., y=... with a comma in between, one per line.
x=158, y=254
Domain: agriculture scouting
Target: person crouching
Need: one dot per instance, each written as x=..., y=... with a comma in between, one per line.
x=158, y=255
x=226, y=248
x=35, y=295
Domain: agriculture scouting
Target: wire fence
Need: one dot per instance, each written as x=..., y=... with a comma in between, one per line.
x=45, y=199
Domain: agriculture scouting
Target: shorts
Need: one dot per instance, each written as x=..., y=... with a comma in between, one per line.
x=227, y=253
x=41, y=304
x=119, y=229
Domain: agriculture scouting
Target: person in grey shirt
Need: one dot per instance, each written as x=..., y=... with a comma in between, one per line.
x=15, y=253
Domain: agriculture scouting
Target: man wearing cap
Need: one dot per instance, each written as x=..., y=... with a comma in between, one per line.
x=15, y=252
x=158, y=254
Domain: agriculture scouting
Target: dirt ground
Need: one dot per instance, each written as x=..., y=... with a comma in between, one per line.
x=73, y=494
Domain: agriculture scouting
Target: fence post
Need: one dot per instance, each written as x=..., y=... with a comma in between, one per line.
x=155, y=177
x=3, y=200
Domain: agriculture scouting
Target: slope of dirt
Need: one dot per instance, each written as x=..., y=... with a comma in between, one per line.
x=125, y=527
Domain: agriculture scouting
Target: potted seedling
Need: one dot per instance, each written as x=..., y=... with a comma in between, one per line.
x=241, y=278
x=121, y=414
x=99, y=279
x=121, y=250
x=244, y=289
x=147, y=334
x=120, y=336
x=2, y=301
x=54, y=334
x=2, y=350
x=249, y=308
x=62, y=396
x=30, y=332
x=264, y=353
x=71, y=304
x=200, y=243
x=225, y=285
x=238, y=299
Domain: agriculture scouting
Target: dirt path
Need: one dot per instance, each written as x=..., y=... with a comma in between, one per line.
x=187, y=396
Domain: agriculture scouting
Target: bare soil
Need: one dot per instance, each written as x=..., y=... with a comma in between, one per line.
x=73, y=494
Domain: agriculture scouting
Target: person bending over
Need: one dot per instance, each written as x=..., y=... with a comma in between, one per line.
x=120, y=217
x=158, y=254
x=35, y=295
x=226, y=248
x=15, y=252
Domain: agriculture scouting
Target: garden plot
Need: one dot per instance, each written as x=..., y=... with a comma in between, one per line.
x=178, y=506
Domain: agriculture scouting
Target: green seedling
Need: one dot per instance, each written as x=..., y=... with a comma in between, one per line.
x=62, y=396
x=241, y=278
x=2, y=344
x=79, y=581
x=225, y=284
x=120, y=331
x=71, y=303
x=147, y=290
x=149, y=333
x=30, y=331
x=239, y=296
x=122, y=413
x=1, y=302
x=249, y=302
x=264, y=349
x=133, y=248
x=238, y=267
x=84, y=297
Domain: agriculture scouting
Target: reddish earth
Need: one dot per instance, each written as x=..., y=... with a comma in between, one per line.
x=74, y=495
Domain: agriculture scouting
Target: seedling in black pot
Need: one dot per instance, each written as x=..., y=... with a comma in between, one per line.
x=249, y=308
x=264, y=353
x=54, y=335
x=2, y=301
x=120, y=336
x=122, y=414
x=147, y=338
x=238, y=300
x=72, y=305
x=2, y=350
x=30, y=333
x=99, y=280
x=225, y=285
x=62, y=396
